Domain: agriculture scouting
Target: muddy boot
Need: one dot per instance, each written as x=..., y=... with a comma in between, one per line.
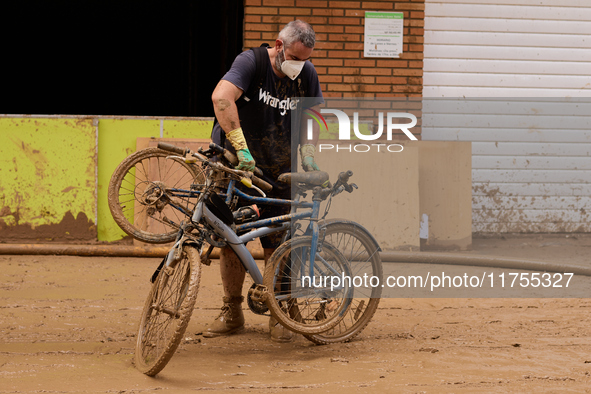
x=278, y=332
x=230, y=320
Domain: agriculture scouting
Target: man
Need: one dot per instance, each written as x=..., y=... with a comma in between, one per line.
x=258, y=129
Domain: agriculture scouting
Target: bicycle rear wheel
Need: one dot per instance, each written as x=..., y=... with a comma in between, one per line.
x=362, y=254
x=167, y=312
x=140, y=198
x=300, y=295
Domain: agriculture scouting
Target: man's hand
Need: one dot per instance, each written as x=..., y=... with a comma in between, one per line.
x=308, y=164
x=245, y=160
x=307, y=152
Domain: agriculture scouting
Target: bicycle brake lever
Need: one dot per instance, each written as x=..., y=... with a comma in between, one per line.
x=248, y=183
x=207, y=153
x=338, y=190
x=349, y=187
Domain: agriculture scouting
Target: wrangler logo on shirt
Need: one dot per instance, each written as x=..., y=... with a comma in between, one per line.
x=274, y=102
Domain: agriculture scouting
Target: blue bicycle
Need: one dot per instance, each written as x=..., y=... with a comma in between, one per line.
x=323, y=312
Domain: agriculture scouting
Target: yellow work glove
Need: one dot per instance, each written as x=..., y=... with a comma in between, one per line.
x=245, y=159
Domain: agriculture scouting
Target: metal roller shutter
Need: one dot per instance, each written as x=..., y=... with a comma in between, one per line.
x=529, y=64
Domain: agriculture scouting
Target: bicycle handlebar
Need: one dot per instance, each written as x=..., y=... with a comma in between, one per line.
x=263, y=185
x=172, y=148
x=344, y=176
x=231, y=157
x=342, y=183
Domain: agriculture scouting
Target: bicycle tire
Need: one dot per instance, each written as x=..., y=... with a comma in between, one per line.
x=362, y=253
x=167, y=312
x=137, y=203
x=312, y=310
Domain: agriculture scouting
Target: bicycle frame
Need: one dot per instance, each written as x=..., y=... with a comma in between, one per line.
x=262, y=227
x=232, y=190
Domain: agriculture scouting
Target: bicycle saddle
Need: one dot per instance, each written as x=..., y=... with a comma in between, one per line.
x=315, y=178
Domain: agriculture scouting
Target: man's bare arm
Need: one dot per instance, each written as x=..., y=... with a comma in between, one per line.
x=308, y=143
x=224, y=105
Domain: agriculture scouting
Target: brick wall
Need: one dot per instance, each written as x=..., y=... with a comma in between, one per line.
x=338, y=57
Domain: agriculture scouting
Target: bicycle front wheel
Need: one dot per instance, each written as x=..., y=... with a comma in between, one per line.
x=167, y=312
x=362, y=254
x=141, y=196
x=302, y=295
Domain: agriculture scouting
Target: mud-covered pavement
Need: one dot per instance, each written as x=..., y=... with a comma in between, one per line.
x=67, y=324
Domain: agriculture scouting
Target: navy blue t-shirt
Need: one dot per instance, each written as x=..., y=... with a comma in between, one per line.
x=266, y=118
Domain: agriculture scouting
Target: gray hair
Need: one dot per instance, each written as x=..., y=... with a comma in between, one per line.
x=295, y=31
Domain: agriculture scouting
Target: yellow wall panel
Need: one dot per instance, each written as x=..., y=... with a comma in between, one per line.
x=199, y=128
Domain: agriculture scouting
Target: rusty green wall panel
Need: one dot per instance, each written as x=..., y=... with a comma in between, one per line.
x=47, y=179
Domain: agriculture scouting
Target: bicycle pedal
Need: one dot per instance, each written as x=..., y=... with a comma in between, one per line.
x=258, y=293
x=331, y=306
x=320, y=315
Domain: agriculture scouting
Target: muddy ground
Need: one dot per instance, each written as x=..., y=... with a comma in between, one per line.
x=68, y=324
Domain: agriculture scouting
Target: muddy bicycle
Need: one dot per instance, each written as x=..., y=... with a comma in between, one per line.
x=322, y=248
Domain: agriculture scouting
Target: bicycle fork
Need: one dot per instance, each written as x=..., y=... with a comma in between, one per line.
x=166, y=269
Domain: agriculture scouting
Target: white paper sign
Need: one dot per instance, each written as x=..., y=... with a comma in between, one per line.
x=383, y=34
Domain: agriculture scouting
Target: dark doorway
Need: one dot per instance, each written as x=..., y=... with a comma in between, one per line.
x=105, y=57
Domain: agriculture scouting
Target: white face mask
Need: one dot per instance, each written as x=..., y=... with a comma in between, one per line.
x=291, y=68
